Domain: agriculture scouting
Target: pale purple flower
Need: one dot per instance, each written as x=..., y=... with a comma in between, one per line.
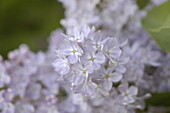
x=119, y=63
x=111, y=48
x=87, y=89
x=97, y=40
x=79, y=35
x=127, y=94
x=72, y=51
x=93, y=58
x=81, y=72
x=107, y=77
x=62, y=66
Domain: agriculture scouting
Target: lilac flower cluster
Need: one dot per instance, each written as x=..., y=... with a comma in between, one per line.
x=87, y=56
x=87, y=70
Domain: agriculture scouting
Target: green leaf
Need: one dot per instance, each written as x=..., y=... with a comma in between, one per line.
x=142, y=3
x=159, y=99
x=157, y=23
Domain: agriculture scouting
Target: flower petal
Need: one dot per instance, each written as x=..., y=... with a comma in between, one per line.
x=58, y=63
x=64, y=70
x=107, y=85
x=100, y=58
x=115, y=53
x=122, y=88
x=121, y=69
x=133, y=90
x=116, y=77
x=89, y=90
x=73, y=59
x=79, y=79
x=96, y=66
x=128, y=99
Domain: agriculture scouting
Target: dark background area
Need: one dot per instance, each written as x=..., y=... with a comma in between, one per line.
x=29, y=22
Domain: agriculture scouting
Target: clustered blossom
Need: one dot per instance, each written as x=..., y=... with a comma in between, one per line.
x=79, y=62
x=104, y=63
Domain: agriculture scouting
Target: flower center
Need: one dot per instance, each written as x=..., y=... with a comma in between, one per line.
x=92, y=59
x=134, y=62
x=84, y=71
x=74, y=51
x=107, y=76
x=107, y=53
x=126, y=94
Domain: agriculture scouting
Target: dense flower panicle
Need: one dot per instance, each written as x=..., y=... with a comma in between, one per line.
x=102, y=64
x=87, y=70
x=80, y=59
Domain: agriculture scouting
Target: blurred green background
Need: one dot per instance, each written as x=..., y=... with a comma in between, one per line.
x=29, y=22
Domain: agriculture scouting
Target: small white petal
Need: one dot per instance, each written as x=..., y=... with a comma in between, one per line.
x=103, y=41
x=73, y=59
x=64, y=70
x=115, y=53
x=116, y=77
x=128, y=99
x=68, y=78
x=100, y=58
x=61, y=66
x=58, y=63
x=107, y=85
x=123, y=60
x=89, y=90
x=121, y=69
x=65, y=51
x=89, y=68
x=79, y=79
x=133, y=91
x=77, y=88
x=122, y=88
x=96, y=66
